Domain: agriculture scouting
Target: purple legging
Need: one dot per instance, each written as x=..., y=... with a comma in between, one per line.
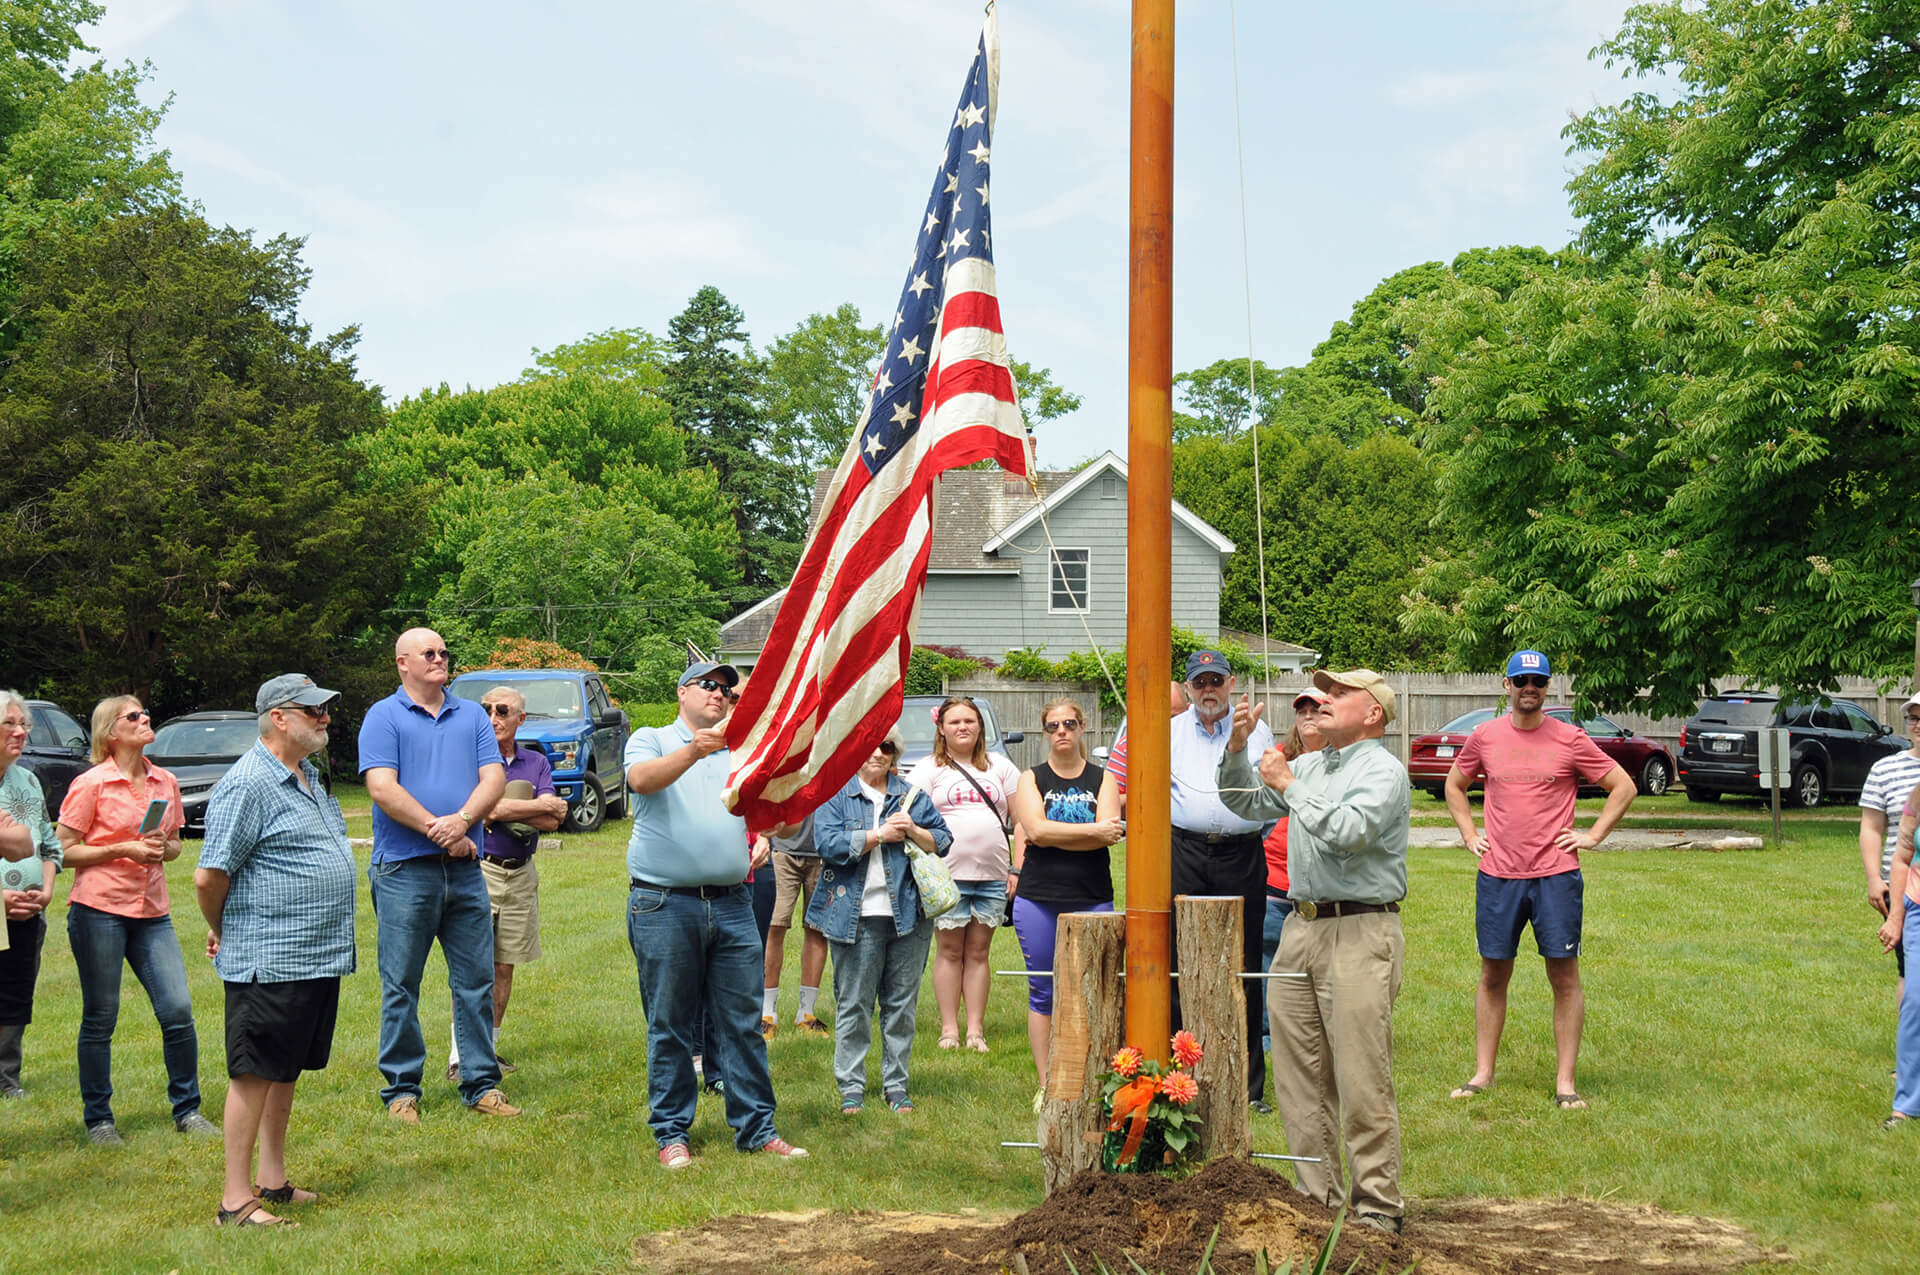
x=1035, y=925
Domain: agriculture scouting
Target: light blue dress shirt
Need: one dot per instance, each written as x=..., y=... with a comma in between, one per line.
x=1196, y=756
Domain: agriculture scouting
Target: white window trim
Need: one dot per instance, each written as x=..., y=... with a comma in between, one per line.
x=1086, y=601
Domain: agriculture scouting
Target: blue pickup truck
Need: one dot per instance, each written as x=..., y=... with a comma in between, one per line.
x=572, y=720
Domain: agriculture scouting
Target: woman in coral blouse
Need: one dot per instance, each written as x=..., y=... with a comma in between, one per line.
x=117, y=913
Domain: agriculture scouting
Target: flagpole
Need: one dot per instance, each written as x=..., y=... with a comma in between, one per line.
x=1150, y=532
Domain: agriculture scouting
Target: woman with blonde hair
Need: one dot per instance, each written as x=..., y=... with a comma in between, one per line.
x=973, y=791
x=119, y=828
x=1065, y=864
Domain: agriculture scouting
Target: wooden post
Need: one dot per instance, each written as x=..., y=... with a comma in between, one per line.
x=1150, y=530
x=1213, y=1006
x=1087, y=954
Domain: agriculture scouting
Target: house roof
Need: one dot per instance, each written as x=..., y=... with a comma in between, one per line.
x=1255, y=644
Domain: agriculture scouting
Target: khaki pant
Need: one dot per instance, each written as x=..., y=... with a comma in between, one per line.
x=1333, y=1054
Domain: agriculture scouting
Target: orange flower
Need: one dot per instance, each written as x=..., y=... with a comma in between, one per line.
x=1127, y=1062
x=1186, y=1050
x=1180, y=1087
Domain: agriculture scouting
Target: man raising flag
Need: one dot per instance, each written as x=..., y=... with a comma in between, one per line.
x=828, y=684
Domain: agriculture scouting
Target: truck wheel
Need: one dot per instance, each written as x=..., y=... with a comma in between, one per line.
x=592, y=810
x=623, y=807
x=1809, y=786
x=1702, y=794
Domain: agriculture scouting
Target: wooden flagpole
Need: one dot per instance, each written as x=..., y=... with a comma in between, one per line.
x=1150, y=531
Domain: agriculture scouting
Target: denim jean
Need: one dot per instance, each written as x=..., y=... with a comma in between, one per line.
x=101, y=942
x=692, y=953
x=1278, y=910
x=880, y=965
x=416, y=901
x=1906, y=1039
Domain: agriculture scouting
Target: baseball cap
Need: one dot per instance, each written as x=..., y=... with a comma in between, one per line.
x=709, y=668
x=1360, y=679
x=1912, y=702
x=1207, y=662
x=1521, y=663
x=291, y=688
x=1313, y=695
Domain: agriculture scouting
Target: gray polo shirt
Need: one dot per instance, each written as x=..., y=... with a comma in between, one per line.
x=1349, y=810
x=684, y=834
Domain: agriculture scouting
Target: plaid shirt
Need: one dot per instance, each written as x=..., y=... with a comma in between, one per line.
x=289, y=909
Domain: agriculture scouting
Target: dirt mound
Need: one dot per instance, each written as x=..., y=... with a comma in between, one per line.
x=1165, y=1227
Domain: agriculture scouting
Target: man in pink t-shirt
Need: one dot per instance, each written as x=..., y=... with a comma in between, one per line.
x=1533, y=766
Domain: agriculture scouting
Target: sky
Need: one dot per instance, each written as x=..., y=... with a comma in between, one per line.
x=478, y=181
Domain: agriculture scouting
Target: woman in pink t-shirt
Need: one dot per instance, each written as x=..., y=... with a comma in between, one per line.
x=972, y=789
x=118, y=913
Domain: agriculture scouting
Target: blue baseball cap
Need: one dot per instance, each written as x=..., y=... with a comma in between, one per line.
x=1521, y=663
x=713, y=669
x=1207, y=662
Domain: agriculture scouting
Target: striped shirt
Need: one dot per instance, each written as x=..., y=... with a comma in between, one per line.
x=1888, y=784
x=289, y=909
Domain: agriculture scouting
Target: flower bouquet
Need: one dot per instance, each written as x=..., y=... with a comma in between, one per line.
x=1151, y=1125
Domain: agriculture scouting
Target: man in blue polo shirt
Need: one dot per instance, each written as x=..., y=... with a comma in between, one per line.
x=433, y=770
x=275, y=882
x=690, y=922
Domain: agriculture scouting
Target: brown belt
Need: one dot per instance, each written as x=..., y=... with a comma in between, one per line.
x=1308, y=910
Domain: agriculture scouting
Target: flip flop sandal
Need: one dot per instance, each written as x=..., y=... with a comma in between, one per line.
x=1469, y=1090
x=1569, y=1102
x=243, y=1216
x=978, y=1044
x=286, y=1193
x=850, y=1108
x=1894, y=1121
x=949, y=1042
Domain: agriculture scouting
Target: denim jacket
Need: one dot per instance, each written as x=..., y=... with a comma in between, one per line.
x=840, y=830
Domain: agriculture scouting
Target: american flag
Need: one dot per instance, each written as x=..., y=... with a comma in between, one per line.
x=827, y=686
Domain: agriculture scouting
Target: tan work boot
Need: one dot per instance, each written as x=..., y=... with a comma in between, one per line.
x=405, y=1109
x=494, y=1103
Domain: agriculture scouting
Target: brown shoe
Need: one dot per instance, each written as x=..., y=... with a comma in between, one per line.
x=494, y=1103
x=405, y=1109
x=768, y=1027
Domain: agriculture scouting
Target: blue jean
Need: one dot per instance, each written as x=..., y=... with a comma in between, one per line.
x=1278, y=910
x=884, y=966
x=101, y=942
x=1906, y=1039
x=416, y=901
x=693, y=952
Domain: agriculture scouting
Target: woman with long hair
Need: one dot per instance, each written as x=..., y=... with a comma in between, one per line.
x=118, y=913
x=1065, y=864
x=973, y=791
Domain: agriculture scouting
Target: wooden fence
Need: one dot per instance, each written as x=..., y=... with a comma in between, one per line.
x=1427, y=701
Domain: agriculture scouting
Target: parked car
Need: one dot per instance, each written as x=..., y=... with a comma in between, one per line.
x=916, y=727
x=1430, y=756
x=56, y=751
x=199, y=748
x=1831, y=746
x=572, y=719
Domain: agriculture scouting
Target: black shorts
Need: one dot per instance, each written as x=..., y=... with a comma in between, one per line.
x=277, y=1030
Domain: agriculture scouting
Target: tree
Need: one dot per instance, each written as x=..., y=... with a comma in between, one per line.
x=1682, y=453
x=1217, y=402
x=817, y=380
x=713, y=387
x=630, y=355
x=183, y=517
x=1040, y=399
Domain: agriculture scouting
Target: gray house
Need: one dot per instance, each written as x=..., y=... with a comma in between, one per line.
x=992, y=586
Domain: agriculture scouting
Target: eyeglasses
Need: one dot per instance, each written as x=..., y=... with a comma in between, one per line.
x=1207, y=681
x=18, y=725
x=1066, y=724
x=1534, y=680
x=315, y=711
x=499, y=710
x=708, y=684
x=733, y=697
x=888, y=749
x=435, y=657
x=135, y=715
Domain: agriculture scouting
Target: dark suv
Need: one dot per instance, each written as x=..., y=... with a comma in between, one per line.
x=1832, y=745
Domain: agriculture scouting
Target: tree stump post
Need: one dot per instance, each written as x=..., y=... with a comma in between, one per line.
x=1088, y=1026
x=1213, y=1006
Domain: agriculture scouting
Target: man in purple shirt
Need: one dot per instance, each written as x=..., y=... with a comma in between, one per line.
x=527, y=808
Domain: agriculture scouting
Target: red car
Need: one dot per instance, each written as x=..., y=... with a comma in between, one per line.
x=1648, y=761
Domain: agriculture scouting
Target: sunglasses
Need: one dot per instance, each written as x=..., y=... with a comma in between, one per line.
x=708, y=684
x=1066, y=724
x=500, y=710
x=435, y=657
x=1305, y=701
x=1534, y=680
x=733, y=697
x=315, y=711
x=1207, y=681
x=888, y=749
x=135, y=715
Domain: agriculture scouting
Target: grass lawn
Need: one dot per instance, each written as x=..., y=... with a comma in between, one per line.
x=1740, y=1020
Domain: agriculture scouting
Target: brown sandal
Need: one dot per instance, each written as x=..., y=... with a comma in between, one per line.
x=286, y=1193
x=244, y=1216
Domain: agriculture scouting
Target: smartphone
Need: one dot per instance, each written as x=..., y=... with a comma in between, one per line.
x=156, y=814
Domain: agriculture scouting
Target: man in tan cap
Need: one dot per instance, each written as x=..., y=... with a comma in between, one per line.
x=1348, y=809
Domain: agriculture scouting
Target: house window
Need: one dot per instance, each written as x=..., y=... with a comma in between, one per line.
x=1068, y=586
x=1109, y=488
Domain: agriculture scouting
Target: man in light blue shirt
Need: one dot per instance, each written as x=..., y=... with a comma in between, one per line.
x=690, y=923
x=1216, y=851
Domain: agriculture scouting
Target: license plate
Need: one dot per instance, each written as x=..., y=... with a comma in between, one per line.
x=1720, y=745
x=1445, y=750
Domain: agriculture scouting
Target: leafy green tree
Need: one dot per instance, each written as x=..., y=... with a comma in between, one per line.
x=816, y=385
x=1684, y=454
x=183, y=516
x=714, y=387
x=1216, y=398
x=630, y=355
x=1040, y=399
x=76, y=143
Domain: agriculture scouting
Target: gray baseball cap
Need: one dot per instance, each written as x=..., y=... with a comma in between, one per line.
x=292, y=688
